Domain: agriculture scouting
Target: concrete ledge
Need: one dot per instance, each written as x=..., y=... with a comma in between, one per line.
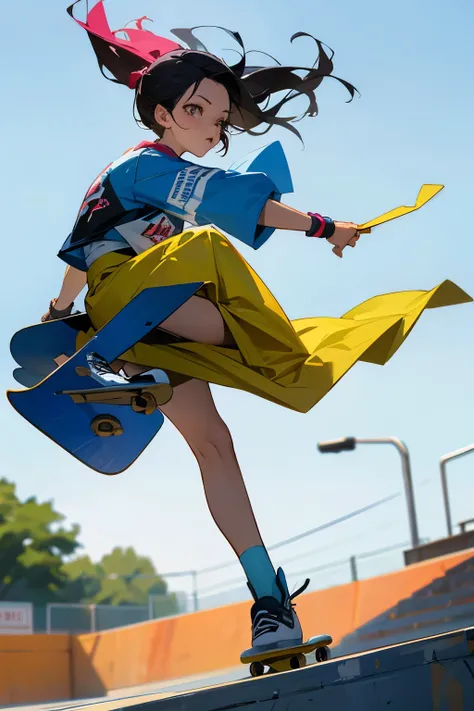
x=443, y=546
x=427, y=675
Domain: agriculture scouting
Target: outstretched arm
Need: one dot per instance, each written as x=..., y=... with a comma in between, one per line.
x=283, y=217
x=231, y=201
x=73, y=283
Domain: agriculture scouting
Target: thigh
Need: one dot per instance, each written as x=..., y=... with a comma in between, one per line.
x=199, y=320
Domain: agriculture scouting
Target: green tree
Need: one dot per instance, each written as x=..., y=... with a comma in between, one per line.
x=128, y=578
x=32, y=548
x=122, y=577
x=34, y=565
x=84, y=579
x=131, y=579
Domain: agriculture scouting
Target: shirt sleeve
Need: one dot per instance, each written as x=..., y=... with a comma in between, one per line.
x=230, y=200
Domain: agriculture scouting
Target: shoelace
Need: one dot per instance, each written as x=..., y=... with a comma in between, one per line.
x=100, y=369
x=298, y=592
x=268, y=615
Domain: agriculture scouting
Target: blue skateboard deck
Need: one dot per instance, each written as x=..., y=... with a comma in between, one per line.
x=35, y=347
x=104, y=430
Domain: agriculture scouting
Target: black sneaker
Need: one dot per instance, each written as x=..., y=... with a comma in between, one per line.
x=275, y=624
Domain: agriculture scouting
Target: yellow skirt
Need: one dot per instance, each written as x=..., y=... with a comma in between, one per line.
x=291, y=363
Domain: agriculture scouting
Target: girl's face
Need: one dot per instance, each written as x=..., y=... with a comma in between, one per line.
x=197, y=120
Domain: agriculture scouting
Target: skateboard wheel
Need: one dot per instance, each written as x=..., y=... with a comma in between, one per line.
x=257, y=669
x=322, y=654
x=144, y=403
x=298, y=661
x=106, y=426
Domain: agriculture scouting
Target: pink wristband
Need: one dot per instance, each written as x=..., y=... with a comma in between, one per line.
x=322, y=224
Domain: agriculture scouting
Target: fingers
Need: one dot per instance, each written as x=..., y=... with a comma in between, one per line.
x=347, y=236
x=352, y=243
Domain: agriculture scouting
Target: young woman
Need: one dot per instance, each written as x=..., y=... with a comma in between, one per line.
x=130, y=235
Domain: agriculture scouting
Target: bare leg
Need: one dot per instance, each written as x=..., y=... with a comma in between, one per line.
x=193, y=412
x=197, y=320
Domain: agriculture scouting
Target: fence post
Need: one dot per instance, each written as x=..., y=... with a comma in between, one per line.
x=195, y=591
x=48, y=618
x=150, y=607
x=353, y=564
x=93, y=620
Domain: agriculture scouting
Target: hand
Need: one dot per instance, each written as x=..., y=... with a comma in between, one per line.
x=53, y=313
x=344, y=234
x=47, y=316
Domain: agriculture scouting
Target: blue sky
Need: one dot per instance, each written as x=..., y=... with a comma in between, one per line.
x=62, y=123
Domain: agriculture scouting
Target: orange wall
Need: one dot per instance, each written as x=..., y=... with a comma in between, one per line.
x=193, y=644
x=213, y=639
x=56, y=667
x=34, y=668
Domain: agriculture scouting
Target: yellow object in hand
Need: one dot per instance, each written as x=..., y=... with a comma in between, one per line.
x=425, y=194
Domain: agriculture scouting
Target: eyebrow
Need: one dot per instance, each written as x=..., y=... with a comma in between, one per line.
x=225, y=111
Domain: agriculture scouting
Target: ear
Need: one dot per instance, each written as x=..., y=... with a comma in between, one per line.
x=162, y=116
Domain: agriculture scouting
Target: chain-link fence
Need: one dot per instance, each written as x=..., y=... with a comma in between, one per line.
x=338, y=572
x=82, y=618
x=209, y=587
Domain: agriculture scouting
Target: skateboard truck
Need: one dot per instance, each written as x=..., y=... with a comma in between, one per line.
x=296, y=662
x=144, y=400
x=141, y=401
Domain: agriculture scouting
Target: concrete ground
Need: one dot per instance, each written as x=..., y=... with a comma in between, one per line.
x=121, y=698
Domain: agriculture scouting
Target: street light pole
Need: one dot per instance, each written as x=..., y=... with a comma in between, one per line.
x=407, y=481
x=349, y=443
x=444, y=484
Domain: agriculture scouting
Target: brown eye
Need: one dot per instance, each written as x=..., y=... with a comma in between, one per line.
x=193, y=110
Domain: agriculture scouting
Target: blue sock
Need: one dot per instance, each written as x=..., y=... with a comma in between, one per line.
x=260, y=572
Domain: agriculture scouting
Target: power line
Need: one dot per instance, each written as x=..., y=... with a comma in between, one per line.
x=329, y=524
x=311, y=531
x=316, y=569
x=280, y=544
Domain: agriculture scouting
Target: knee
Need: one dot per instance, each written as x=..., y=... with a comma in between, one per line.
x=212, y=441
x=211, y=235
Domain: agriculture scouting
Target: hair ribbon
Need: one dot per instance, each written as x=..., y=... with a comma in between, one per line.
x=135, y=77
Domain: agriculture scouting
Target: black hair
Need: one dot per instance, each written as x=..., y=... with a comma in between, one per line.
x=169, y=70
x=166, y=82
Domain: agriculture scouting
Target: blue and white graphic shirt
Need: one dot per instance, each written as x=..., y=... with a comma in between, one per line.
x=146, y=195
